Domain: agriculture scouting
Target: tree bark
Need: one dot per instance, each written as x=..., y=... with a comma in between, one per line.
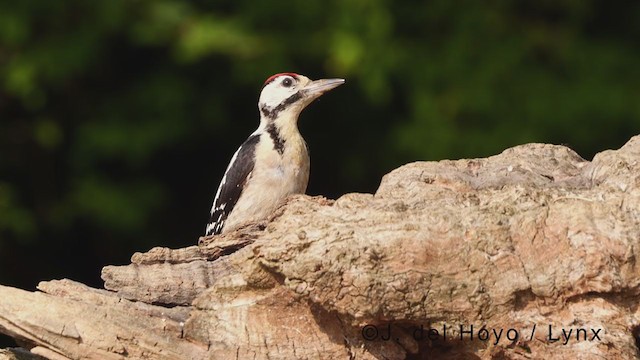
x=531, y=253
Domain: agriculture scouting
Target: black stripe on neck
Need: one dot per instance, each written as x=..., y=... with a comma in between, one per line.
x=273, y=113
x=278, y=141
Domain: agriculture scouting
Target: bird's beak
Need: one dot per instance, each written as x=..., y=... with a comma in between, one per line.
x=319, y=87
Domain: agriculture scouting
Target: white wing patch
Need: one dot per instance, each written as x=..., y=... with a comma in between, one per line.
x=230, y=188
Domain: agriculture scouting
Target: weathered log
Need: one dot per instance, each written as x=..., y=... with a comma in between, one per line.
x=485, y=258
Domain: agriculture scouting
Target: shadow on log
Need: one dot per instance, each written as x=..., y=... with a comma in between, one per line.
x=528, y=254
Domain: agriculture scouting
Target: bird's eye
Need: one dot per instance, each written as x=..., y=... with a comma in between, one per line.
x=287, y=82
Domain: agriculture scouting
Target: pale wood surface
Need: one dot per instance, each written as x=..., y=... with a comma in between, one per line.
x=535, y=236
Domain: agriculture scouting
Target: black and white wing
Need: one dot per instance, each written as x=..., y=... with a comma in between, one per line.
x=233, y=181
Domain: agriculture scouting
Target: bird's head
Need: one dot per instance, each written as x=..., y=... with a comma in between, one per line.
x=290, y=93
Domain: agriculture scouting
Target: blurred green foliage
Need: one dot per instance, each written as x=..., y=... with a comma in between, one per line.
x=118, y=118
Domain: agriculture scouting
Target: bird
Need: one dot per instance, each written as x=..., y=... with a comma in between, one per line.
x=273, y=162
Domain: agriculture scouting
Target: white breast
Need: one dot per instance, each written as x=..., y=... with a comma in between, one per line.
x=273, y=179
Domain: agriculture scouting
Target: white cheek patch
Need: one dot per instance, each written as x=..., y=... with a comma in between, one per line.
x=274, y=94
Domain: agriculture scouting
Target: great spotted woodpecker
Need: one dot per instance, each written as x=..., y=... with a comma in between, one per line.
x=273, y=162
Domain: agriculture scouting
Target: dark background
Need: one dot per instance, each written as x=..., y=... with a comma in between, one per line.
x=118, y=118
